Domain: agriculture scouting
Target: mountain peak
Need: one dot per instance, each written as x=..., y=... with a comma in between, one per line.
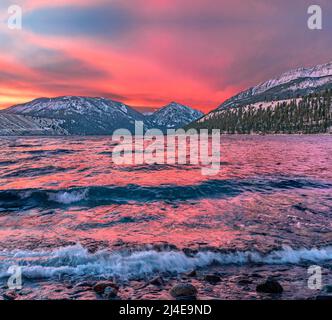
x=300, y=81
x=174, y=104
x=175, y=115
x=318, y=71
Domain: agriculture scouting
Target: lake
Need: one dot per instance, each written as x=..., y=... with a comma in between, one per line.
x=68, y=214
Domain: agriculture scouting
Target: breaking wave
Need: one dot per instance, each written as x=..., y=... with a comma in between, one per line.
x=106, y=195
x=76, y=261
x=68, y=197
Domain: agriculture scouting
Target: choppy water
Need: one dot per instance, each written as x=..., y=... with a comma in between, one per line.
x=68, y=213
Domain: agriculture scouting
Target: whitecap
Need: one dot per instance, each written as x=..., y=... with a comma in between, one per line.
x=76, y=261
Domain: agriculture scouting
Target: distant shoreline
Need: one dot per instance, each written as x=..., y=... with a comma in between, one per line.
x=223, y=134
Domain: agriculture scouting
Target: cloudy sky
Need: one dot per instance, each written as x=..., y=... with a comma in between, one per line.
x=148, y=53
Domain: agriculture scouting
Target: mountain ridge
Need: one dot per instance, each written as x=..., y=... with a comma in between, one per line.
x=297, y=101
x=99, y=116
x=290, y=84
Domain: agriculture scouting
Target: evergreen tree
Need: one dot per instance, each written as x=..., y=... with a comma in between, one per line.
x=309, y=114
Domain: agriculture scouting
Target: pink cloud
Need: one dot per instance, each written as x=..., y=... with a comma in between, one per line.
x=192, y=51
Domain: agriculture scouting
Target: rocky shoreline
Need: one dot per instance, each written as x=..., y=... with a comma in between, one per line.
x=251, y=281
x=277, y=283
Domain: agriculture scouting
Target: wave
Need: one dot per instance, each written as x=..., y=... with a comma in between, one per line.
x=76, y=261
x=34, y=172
x=68, y=197
x=105, y=195
x=7, y=163
x=49, y=152
x=158, y=167
x=15, y=145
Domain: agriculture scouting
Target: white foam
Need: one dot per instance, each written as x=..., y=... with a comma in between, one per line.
x=78, y=262
x=68, y=197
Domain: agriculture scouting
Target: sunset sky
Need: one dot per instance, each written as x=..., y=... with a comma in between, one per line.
x=147, y=53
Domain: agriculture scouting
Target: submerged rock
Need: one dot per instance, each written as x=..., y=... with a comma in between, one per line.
x=328, y=288
x=270, y=286
x=85, y=284
x=119, y=243
x=212, y=278
x=101, y=286
x=244, y=282
x=25, y=292
x=189, y=252
x=110, y=293
x=322, y=297
x=157, y=281
x=10, y=295
x=183, y=290
x=192, y=273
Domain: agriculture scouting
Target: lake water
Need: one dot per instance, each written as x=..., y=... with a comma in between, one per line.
x=68, y=214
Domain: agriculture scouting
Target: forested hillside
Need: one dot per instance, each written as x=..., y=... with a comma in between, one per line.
x=309, y=114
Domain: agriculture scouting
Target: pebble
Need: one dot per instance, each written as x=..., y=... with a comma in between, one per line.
x=270, y=286
x=212, y=278
x=157, y=281
x=192, y=273
x=183, y=290
x=102, y=285
x=110, y=293
x=9, y=295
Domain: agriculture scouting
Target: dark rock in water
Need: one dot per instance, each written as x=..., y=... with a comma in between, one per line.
x=300, y=207
x=270, y=286
x=189, y=252
x=119, y=243
x=212, y=278
x=25, y=292
x=256, y=275
x=164, y=246
x=85, y=284
x=328, y=288
x=79, y=290
x=102, y=285
x=10, y=295
x=244, y=282
x=110, y=293
x=192, y=273
x=324, y=298
x=183, y=290
x=157, y=281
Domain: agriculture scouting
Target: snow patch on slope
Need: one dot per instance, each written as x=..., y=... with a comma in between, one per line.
x=175, y=115
x=300, y=81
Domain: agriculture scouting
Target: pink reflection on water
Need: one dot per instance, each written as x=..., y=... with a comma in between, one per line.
x=242, y=220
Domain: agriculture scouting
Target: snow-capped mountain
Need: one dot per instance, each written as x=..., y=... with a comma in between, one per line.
x=174, y=116
x=89, y=116
x=20, y=125
x=83, y=115
x=291, y=84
